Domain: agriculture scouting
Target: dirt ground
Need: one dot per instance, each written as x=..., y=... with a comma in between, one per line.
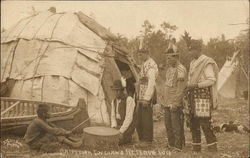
x=230, y=145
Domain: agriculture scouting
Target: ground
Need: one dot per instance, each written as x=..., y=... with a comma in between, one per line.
x=230, y=145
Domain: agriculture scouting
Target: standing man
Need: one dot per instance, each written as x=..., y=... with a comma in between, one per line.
x=146, y=96
x=202, y=96
x=122, y=112
x=173, y=94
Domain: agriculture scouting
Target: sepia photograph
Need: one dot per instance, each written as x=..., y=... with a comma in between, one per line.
x=125, y=79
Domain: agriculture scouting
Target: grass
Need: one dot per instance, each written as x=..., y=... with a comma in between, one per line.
x=230, y=145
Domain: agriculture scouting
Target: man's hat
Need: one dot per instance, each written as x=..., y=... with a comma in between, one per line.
x=195, y=45
x=117, y=84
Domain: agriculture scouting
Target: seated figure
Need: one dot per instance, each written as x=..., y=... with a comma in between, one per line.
x=123, y=112
x=46, y=137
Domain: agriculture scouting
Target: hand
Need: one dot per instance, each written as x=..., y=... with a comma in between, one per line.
x=120, y=135
x=170, y=106
x=195, y=85
x=144, y=103
x=63, y=130
x=173, y=108
x=68, y=133
x=186, y=111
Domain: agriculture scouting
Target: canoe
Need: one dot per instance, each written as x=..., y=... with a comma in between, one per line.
x=17, y=114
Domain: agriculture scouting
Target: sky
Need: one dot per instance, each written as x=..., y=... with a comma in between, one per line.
x=202, y=19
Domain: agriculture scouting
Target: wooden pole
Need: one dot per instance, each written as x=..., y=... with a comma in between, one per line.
x=244, y=73
x=238, y=79
x=9, y=108
x=82, y=123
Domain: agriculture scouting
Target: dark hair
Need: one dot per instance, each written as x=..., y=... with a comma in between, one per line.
x=144, y=50
x=170, y=51
x=42, y=109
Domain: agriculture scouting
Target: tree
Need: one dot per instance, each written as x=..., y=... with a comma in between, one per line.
x=157, y=44
x=147, y=28
x=242, y=42
x=168, y=29
x=155, y=40
x=187, y=38
x=219, y=48
x=183, y=45
x=133, y=45
x=122, y=41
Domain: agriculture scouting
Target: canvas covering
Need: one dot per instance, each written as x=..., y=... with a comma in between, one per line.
x=53, y=57
x=227, y=78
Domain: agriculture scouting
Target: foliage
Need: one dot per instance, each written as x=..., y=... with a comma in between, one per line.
x=242, y=42
x=187, y=38
x=218, y=48
x=168, y=29
x=182, y=46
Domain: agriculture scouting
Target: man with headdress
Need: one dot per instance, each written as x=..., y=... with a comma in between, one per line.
x=146, y=95
x=202, y=96
x=122, y=111
x=173, y=94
